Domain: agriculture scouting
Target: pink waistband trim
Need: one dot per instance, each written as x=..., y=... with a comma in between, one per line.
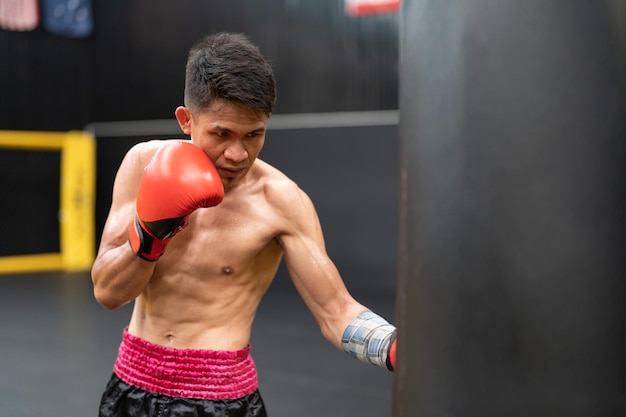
x=187, y=373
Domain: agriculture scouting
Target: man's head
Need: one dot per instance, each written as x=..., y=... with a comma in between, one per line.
x=227, y=66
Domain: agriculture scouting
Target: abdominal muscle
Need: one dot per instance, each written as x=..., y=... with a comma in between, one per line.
x=206, y=288
x=186, y=312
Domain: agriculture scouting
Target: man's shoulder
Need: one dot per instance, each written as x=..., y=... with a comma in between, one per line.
x=143, y=151
x=272, y=176
x=283, y=194
x=277, y=186
x=151, y=146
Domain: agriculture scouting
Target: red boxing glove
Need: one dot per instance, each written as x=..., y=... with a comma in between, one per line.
x=391, y=358
x=179, y=179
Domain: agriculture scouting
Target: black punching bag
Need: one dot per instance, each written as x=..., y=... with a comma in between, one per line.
x=512, y=265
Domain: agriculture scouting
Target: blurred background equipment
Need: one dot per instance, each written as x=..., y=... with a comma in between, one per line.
x=71, y=18
x=513, y=227
x=358, y=8
x=48, y=201
x=19, y=15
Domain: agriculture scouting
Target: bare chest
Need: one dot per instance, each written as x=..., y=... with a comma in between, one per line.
x=229, y=242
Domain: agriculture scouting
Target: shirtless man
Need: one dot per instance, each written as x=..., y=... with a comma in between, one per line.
x=195, y=235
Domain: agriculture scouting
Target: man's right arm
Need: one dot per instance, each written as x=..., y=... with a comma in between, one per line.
x=156, y=188
x=118, y=275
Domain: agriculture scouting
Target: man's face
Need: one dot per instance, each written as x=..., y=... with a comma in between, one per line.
x=231, y=134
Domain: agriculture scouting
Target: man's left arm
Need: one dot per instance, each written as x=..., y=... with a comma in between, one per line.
x=347, y=324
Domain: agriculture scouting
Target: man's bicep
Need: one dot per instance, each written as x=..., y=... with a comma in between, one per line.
x=311, y=269
x=302, y=239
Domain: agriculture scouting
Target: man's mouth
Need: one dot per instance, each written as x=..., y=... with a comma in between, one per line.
x=230, y=172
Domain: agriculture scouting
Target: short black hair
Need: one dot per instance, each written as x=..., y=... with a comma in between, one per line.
x=229, y=66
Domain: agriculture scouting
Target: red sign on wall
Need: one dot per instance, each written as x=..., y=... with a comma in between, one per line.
x=370, y=7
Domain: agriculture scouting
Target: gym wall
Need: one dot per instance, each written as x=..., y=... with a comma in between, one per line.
x=132, y=66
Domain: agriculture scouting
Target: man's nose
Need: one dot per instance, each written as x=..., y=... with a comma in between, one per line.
x=236, y=151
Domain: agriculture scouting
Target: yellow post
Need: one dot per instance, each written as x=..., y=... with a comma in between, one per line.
x=76, y=215
x=77, y=200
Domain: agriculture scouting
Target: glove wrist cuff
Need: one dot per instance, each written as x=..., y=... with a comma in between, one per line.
x=143, y=243
x=391, y=356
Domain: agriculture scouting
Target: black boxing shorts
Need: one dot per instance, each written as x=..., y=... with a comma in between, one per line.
x=152, y=380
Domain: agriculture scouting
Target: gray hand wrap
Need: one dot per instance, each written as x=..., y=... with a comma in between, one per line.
x=368, y=338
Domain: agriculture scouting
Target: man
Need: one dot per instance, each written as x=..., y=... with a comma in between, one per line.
x=195, y=235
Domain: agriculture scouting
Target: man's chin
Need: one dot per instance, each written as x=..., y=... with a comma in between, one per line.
x=229, y=183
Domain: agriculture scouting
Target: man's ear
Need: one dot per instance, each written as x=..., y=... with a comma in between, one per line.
x=183, y=115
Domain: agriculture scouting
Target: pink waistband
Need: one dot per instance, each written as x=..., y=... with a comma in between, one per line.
x=188, y=373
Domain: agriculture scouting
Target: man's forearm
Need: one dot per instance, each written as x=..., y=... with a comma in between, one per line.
x=119, y=276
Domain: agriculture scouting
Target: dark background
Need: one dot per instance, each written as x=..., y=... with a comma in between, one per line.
x=132, y=66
